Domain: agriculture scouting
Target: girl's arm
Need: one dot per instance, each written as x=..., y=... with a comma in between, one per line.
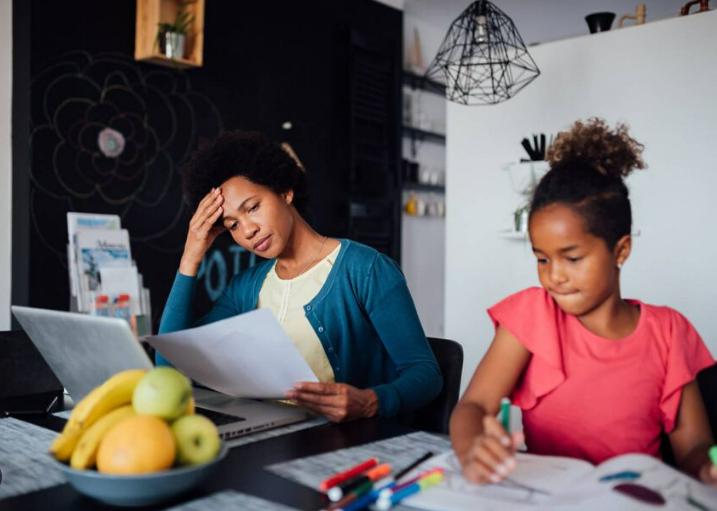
x=480, y=443
x=691, y=438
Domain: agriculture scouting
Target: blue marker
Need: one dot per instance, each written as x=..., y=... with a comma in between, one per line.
x=424, y=484
x=627, y=475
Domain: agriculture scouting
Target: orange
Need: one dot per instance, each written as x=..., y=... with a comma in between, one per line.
x=137, y=445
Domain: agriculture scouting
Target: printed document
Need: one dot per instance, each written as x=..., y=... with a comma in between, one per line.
x=248, y=356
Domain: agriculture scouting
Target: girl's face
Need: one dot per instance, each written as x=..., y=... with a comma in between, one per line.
x=574, y=266
x=258, y=219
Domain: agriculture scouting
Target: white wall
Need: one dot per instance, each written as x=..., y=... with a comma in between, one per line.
x=660, y=78
x=5, y=160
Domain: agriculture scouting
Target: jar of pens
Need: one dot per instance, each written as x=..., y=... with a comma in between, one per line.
x=372, y=484
x=525, y=175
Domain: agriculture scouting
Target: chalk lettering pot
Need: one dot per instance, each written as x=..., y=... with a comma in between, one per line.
x=139, y=490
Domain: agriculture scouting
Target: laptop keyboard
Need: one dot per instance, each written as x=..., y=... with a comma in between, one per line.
x=219, y=418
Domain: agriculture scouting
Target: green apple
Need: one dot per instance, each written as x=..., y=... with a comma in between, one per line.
x=163, y=392
x=197, y=439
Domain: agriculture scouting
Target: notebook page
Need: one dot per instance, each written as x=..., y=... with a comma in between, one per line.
x=535, y=482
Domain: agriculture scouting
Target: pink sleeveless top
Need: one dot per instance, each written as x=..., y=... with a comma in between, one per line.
x=593, y=398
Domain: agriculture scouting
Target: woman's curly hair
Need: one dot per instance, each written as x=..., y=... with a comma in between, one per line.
x=248, y=154
x=587, y=167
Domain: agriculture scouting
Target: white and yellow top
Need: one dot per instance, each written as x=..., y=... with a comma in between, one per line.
x=287, y=298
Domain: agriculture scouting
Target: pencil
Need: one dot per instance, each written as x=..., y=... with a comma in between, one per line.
x=413, y=465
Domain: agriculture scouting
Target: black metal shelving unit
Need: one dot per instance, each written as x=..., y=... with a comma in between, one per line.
x=421, y=82
x=423, y=135
x=421, y=187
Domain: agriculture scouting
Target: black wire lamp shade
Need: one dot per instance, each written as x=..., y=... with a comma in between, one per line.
x=482, y=59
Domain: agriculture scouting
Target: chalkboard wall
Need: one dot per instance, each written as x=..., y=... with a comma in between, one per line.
x=265, y=63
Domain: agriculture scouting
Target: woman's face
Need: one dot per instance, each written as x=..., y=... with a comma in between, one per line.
x=574, y=266
x=258, y=219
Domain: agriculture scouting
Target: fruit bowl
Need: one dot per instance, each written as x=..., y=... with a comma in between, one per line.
x=139, y=490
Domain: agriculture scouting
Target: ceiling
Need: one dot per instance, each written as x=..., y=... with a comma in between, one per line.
x=539, y=21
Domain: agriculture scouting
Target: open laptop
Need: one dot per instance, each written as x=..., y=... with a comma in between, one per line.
x=84, y=351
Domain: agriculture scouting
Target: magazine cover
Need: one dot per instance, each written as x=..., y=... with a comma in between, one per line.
x=95, y=249
x=84, y=221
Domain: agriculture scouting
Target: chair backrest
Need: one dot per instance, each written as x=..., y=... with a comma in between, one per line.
x=434, y=416
x=707, y=382
x=23, y=371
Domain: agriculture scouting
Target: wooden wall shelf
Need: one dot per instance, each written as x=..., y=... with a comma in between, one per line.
x=152, y=12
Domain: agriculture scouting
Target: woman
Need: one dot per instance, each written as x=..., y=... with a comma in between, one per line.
x=345, y=306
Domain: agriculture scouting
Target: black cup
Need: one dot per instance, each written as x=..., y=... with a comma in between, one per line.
x=600, y=21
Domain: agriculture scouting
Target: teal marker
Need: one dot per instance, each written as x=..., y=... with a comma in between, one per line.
x=713, y=454
x=505, y=414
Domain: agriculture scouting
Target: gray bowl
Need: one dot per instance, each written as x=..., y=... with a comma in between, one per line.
x=139, y=490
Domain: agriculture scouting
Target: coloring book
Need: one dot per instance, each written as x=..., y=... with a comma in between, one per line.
x=631, y=481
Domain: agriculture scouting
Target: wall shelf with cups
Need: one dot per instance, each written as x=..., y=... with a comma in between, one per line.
x=421, y=82
x=420, y=134
x=424, y=146
x=421, y=187
x=150, y=48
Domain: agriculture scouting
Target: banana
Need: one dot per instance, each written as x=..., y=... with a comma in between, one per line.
x=84, y=455
x=81, y=407
x=64, y=444
x=115, y=392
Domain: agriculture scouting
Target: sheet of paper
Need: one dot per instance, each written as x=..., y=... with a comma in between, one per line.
x=534, y=483
x=244, y=356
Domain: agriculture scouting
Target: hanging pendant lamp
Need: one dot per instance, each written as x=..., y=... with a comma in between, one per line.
x=482, y=60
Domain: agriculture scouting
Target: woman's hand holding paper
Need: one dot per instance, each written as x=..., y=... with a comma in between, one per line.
x=338, y=402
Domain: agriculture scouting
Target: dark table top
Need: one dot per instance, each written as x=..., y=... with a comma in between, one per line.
x=242, y=470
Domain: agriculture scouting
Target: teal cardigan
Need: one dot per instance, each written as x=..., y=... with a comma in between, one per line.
x=364, y=317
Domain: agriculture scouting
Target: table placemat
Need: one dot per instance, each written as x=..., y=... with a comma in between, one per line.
x=231, y=500
x=24, y=462
x=399, y=452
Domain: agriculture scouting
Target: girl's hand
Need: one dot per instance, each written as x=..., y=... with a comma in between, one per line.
x=708, y=474
x=338, y=402
x=202, y=232
x=490, y=458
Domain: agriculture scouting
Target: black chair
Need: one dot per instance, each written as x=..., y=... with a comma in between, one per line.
x=707, y=383
x=435, y=416
x=23, y=373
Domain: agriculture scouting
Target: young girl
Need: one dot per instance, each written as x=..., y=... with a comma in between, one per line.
x=595, y=375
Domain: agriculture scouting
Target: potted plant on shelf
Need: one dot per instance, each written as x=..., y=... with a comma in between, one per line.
x=171, y=36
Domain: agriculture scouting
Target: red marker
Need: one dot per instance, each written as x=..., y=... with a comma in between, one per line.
x=348, y=474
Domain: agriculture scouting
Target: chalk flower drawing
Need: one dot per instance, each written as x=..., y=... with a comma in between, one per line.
x=107, y=136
